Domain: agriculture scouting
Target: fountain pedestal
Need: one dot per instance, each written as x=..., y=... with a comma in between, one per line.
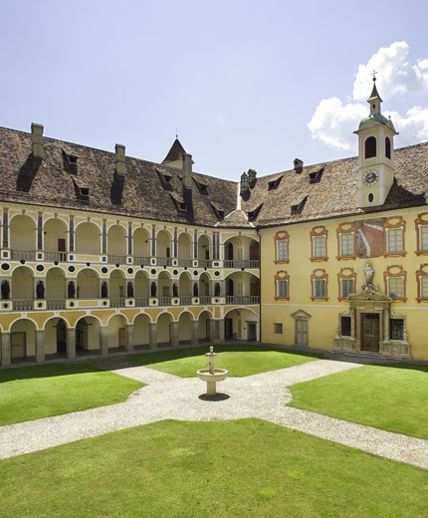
x=212, y=375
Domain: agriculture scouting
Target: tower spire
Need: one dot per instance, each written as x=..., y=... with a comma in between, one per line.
x=375, y=99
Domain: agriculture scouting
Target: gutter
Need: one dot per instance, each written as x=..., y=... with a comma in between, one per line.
x=260, y=278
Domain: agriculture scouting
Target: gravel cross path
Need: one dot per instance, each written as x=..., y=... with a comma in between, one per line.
x=165, y=396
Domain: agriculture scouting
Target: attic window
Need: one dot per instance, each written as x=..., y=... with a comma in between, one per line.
x=70, y=162
x=297, y=209
x=315, y=177
x=218, y=211
x=273, y=184
x=252, y=215
x=202, y=187
x=165, y=179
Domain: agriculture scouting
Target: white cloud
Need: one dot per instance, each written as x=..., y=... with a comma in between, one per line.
x=334, y=121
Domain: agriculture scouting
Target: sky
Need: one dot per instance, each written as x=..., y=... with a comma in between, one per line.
x=245, y=84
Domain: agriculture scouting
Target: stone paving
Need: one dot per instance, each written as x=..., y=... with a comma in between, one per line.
x=165, y=396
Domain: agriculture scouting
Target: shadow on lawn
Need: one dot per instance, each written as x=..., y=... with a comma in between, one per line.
x=47, y=371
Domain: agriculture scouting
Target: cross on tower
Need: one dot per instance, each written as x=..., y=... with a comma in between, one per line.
x=374, y=74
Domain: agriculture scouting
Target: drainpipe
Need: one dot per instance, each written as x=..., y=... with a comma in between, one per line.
x=260, y=283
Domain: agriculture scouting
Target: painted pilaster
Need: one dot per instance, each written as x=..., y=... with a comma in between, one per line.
x=104, y=340
x=130, y=242
x=195, y=332
x=40, y=346
x=153, y=335
x=71, y=234
x=130, y=338
x=174, y=334
x=104, y=238
x=5, y=349
x=40, y=231
x=5, y=227
x=71, y=343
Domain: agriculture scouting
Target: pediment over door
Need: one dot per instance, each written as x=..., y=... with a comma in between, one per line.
x=301, y=315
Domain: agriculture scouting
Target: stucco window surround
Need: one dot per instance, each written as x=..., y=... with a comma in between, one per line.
x=395, y=280
x=318, y=237
x=346, y=315
x=282, y=248
x=319, y=284
x=422, y=283
x=346, y=248
x=421, y=225
x=282, y=286
x=347, y=282
x=394, y=237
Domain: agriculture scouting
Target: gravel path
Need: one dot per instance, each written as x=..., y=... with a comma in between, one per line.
x=263, y=396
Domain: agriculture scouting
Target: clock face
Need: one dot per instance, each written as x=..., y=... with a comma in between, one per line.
x=370, y=177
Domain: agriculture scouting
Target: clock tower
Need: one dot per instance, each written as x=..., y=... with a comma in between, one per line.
x=375, y=154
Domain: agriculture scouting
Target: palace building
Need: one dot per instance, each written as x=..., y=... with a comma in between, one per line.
x=101, y=252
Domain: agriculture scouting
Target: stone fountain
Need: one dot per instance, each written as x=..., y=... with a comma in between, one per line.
x=211, y=375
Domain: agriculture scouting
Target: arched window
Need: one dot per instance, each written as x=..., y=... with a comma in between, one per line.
x=370, y=147
x=387, y=147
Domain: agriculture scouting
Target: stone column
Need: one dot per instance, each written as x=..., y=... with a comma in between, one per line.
x=213, y=331
x=220, y=324
x=40, y=346
x=130, y=337
x=71, y=343
x=174, y=334
x=153, y=335
x=104, y=340
x=5, y=349
x=195, y=332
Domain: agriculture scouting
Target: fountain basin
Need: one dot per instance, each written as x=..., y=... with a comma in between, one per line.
x=212, y=378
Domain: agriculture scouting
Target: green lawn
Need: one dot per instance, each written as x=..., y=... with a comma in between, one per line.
x=239, y=360
x=393, y=398
x=32, y=392
x=245, y=468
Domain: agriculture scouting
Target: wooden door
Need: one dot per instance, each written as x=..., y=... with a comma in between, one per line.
x=370, y=332
x=122, y=337
x=252, y=331
x=228, y=328
x=18, y=345
x=301, y=332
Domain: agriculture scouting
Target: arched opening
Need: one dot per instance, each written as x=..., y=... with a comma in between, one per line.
x=87, y=239
x=88, y=336
x=141, y=287
x=204, y=285
x=55, y=245
x=164, y=287
x=55, y=288
x=141, y=246
x=184, y=244
x=163, y=330
x=56, y=338
x=116, y=248
x=23, y=238
x=163, y=247
x=229, y=251
x=87, y=284
x=185, y=287
x=387, y=147
x=185, y=328
x=22, y=288
x=117, y=289
x=204, y=327
x=230, y=287
x=22, y=340
x=254, y=250
x=240, y=286
x=241, y=324
x=254, y=286
x=141, y=334
x=370, y=147
x=203, y=251
x=116, y=333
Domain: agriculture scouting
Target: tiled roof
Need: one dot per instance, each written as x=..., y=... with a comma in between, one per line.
x=140, y=193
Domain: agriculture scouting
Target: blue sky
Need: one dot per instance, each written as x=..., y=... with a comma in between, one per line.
x=248, y=84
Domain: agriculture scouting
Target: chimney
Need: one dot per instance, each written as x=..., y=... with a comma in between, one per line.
x=252, y=176
x=187, y=170
x=245, y=184
x=298, y=165
x=37, y=140
x=120, y=159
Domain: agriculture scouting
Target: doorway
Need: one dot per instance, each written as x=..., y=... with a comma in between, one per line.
x=61, y=337
x=302, y=332
x=18, y=345
x=228, y=328
x=370, y=333
x=252, y=331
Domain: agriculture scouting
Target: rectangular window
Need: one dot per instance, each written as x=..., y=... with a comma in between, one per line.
x=346, y=244
x=394, y=240
x=277, y=328
x=346, y=288
x=424, y=287
x=345, y=326
x=319, y=248
x=396, y=329
x=282, y=289
x=319, y=287
x=395, y=287
x=282, y=250
x=423, y=238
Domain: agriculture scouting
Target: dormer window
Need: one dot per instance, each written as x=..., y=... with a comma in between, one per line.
x=218, y=211
x=179, y=203
x=273, y=184
x=202, y=187
x=298, y=208
x=84, y=191
x=70, y=162
x=165, y=178
x=252, y=215
x=315, y=177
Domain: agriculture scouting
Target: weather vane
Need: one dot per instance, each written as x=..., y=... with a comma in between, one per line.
x=374, y=74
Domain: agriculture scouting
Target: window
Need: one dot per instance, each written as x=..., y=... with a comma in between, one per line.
x=277, y=329
x=422, y=234
x=396, y=329
x=370, y=147
x=315, y=177
x=319, y=284
x=281, y=289
x=422, y=282
x=395, y=287
x=273, y=184
x=395, y=282
x=423, y=238
x=319, y=246
x=387, y=147
x=346, y=245
x=424, y=287
x=345, y=326
x=298, y=208
x=281, y=247
x=319, y=289
x=394, y=242
x=347, y=287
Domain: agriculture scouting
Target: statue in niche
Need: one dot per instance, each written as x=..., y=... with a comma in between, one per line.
x=153, y=289
x=40, y=290
x=71, y=290
x=195, y=290
x=130, y=290
x=5, y=290
x=368, y=286
x=104, y=290
x=174, y=290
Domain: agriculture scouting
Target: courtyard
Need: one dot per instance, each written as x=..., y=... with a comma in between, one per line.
x=288, y=434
